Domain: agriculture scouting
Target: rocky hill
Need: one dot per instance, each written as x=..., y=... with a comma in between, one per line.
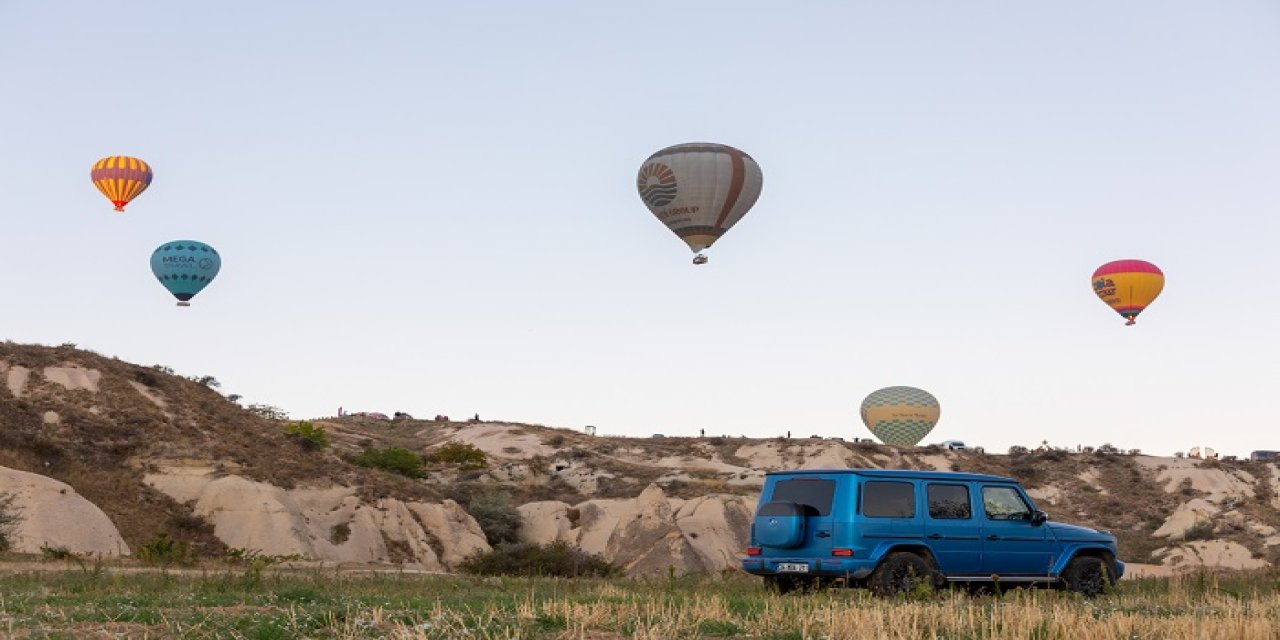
x=101, y=455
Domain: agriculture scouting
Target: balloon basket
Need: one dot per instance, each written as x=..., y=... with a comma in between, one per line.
x=699, y=259
x=183, y=303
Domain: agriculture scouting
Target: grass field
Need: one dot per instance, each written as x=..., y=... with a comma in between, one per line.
x=106, y=602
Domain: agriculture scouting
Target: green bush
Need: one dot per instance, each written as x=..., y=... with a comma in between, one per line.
x=1024, y=471
x=467, y=456
x=497, y=518
x=255, y=562
x=56, y=553
x=307, y=434
x=267, y=411
x=538, y=465
x=557, y=560
x=164, y=551
x=1202, y=530
x=1056, y=455
x=393, y=459
x=208, y=381
x=9, y=519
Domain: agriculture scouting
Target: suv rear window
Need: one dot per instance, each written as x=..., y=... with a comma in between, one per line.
x=814, y=493
x=888, y=499
x=949, y=502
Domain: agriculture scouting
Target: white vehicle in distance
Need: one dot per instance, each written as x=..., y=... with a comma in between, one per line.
x=953, y=445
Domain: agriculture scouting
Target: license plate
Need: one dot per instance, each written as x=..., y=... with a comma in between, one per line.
x=793, y=567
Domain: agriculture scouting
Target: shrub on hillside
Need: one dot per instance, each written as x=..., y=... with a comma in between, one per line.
x=56, y=553
x=538, y=465
x=1056, y=455
x=9, y=519
x=1025, y=472
x=307, y=434
x=497, y=518
x=267, y=411
x=555, y=560
x=393, y=459
x=164, y=551
x=467, y=456
x=1202, y=530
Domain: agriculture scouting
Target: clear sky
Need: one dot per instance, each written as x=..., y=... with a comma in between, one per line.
x=430, y=207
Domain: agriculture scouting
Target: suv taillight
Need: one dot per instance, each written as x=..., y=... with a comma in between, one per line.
x=847, y=553
x=753, y=551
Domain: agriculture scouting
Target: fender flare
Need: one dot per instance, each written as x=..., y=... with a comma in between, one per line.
x=891, y=545
x=1071, y=550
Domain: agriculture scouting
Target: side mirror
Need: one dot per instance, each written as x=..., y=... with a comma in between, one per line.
x=1038, y=518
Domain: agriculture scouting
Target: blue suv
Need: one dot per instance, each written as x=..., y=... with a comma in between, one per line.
x=889, y=530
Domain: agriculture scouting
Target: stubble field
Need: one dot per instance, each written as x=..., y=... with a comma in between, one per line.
x=118, y=602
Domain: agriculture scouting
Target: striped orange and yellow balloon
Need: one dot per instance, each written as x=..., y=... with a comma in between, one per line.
x=1128, y=286
x=121, y=178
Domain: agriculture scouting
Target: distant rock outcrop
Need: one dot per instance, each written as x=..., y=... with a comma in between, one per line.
x=650, y=534
x=52, y=514
x=330, y=524
x=157, y=452
x=1194, y=512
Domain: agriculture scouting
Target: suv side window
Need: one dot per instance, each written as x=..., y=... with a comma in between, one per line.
x=949, y=501
x=1004, y=503
x=888, y=499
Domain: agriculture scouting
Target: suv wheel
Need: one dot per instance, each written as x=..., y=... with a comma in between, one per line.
x=1088, y=576
x=899, y=573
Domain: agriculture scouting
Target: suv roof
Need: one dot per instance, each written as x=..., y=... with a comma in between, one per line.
x=900, y=473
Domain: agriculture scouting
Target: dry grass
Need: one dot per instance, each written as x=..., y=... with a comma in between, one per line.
x=323, y=604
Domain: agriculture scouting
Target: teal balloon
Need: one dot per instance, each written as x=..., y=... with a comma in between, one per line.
x=185, y=267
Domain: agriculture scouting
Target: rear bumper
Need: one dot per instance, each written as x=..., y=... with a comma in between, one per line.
x=824, y=567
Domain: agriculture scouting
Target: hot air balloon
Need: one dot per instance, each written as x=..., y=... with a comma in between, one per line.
x=699, y=190
x=900, y=415
x=185, y=267
x=121, y=179
x=1128, y=286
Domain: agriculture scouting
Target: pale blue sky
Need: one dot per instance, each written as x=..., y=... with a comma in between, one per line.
x=431, y=207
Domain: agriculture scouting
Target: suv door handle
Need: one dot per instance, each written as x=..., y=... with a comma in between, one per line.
x=823, y=534
x=993, y=537
x=935, y=536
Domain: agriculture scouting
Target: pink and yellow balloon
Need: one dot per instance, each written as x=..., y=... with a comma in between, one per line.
x=1128, y=286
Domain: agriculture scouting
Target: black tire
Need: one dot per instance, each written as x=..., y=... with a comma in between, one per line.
x=900, y=573
x=786, y=584
x=1088, y=576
